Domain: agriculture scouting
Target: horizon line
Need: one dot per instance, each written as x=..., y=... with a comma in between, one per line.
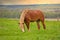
x=29, y=4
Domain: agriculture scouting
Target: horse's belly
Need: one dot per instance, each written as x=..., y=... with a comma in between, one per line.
x=34, y=19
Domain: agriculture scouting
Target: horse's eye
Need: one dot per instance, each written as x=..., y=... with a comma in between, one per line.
x=22, y=23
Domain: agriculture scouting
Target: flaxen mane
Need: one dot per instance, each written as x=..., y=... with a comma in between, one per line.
x=23, y=16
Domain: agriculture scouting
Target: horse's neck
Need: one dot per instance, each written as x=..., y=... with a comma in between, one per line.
x=22, y=16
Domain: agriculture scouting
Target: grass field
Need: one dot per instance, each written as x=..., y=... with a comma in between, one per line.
x=10, y=30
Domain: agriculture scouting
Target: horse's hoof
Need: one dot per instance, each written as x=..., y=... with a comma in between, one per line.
x=29, y=30
x=23, y=31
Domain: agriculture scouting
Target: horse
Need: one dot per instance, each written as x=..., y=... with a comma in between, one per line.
x=29, y=15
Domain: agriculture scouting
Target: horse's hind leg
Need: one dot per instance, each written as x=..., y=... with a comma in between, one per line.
x=38, y=25
x=43, y=24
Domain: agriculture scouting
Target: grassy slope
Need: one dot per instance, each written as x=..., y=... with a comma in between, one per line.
x=9, y=30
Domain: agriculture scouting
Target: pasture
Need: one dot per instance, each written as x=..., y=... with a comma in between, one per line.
x=10, y=30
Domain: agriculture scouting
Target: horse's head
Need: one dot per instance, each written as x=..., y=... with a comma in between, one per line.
x=21, y=25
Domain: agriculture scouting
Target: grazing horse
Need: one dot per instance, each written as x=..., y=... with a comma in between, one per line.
x=28, y=16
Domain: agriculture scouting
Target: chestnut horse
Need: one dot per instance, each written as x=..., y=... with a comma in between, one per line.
x=28, y=16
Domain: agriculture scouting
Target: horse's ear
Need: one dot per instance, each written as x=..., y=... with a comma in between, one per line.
x=18, y=23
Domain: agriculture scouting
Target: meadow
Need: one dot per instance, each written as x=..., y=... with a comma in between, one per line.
x=10, y=30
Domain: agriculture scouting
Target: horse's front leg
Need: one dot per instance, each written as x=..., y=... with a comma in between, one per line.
x=38, y=25
x=27, y=24
x=43, y=25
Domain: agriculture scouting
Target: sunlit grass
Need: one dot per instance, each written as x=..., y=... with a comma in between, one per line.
x=10, y=30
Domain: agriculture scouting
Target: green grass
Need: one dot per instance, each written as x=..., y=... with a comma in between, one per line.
x=10, y=30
